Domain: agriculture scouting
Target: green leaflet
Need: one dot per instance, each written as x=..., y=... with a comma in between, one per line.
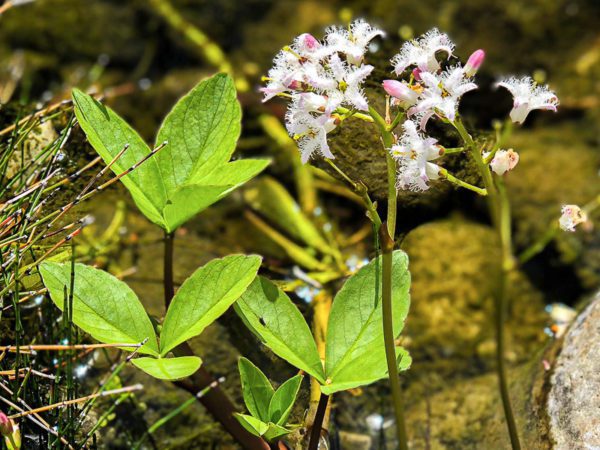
x=256, y=389
x=355, y=353
x=270, y=431
x=270, y=314
x=168, y=368
x=192, y=171
x=205, y=296
x=103, y=305
x=283, y=400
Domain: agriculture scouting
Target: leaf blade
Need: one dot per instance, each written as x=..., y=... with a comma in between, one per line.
x=283, y=400
x=220, y=283
x=103, y=305
x=256, y=389
x=168, y=368
x=270, y=314
x=355, y=353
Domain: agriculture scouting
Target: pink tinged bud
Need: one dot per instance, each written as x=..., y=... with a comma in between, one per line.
x=474, y=62
x=416, y=73
x=6, y=425
x=309, y=41
x=405, y=95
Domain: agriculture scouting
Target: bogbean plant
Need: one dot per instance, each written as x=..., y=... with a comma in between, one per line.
x=323, y=82
x=190, y=169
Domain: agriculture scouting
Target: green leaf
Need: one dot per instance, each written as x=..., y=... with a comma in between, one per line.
x=283, y=400
x=205, y=296
x=192, y=171
x=103, y=306
x=168, y=368
x=202, y=130
x=190, y=199
x=355, y=353
x=256, y=388
x=270, y=314
x=255, y=426
x=275, y=432
x=272, y=200
x=108, y=134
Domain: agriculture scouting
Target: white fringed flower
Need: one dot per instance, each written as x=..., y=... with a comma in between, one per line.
x=414, y=153
x=527, y=96
x=308, y=120
x=421, y=52
x=571, y=216
x=442, y=94
x=504, y=160
x=352, y=43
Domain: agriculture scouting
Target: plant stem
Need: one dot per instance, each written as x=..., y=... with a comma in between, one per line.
x=315, y=432
x=386, y=236
x=387, y=246
x=508, y=264
x=501, y=218
x=168, y=269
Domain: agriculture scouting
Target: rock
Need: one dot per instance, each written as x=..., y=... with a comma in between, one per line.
x=575, y=385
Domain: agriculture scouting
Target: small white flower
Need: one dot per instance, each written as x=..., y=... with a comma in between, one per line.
x=352, y=43
x=421, y=52
x=504, y=160
x=527, y=96
x=571, y=216
x=310, y=131
x=414, y=154
x=442, y=94
x=348, y=82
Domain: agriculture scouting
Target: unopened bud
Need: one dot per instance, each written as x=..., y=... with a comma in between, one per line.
x=308, y=42
x=401, y=91
x=504, y=160
x=6, y=425
x=474, y=62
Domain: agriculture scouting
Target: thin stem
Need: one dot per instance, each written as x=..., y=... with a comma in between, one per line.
x=315, y=432
x=386, y=236
x=451, y=178
x=169, y=286
x=508, y=265
x=387, y=245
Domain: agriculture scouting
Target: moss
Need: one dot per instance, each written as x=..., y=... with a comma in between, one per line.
x=455, y=267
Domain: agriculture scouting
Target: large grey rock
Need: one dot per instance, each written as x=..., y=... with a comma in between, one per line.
x=574, y=400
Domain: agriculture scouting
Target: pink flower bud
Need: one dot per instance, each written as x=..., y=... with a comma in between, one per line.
x=474, y=62
x=308, y=41
x=6, y=425
x=416, y=73
x=504, y=160
x=401, y=91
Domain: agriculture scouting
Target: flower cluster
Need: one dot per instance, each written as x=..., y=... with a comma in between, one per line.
x=429, y=91
x=320, y=78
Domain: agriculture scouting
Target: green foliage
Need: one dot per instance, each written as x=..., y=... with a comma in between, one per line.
x=269, y=409
x=168, y=368
x=110, y=312
x=355, y=354
x=103, y=306
x=193, y=170
x=270, y=314
x=205, y=296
